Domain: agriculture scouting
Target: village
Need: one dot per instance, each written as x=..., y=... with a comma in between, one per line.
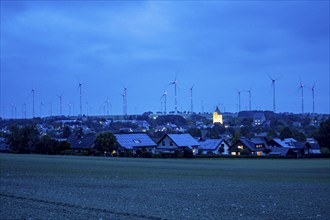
x=217, y=134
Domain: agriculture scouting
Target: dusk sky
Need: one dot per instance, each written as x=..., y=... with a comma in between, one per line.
x=217, y=46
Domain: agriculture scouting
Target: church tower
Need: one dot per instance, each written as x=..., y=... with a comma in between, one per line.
x=217, y=116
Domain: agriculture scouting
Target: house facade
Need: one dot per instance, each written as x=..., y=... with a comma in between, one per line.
x=249, y=146
x=135, y=141
x=171, y=142
x=213, y=146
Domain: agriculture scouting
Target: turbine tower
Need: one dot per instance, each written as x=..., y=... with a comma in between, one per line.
x=313, y=90
x=108, y=101
x=41, y=106
x=175, y=82
x=164, y=96
x=239, y=100
x=80, y=91
x=12, y=106
x=33, y=91
x=24, y=110
x=60, y=97
x=125, y=101
x=191, y=100
x=302, y=96
x=273, y=86
x=70, y=105
x=249, y=99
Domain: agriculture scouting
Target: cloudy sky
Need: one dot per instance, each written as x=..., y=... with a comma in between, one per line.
x=217, y=46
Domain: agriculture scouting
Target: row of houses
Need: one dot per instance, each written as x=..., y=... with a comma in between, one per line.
x=170, y=143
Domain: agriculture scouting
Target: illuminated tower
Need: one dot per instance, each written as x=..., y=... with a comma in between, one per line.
x=217, y=116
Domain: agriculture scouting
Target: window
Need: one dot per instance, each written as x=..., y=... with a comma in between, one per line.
x=171, y=143
x=163, y=143
x=233, y=153
x=240, y=146
x=259, y=146
x=259, y=153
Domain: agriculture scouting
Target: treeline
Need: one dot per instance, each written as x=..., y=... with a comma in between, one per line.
x=27, y=139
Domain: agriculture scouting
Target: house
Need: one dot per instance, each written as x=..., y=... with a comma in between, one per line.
x=135, y=141
x=249, y=146
x=280, y=151
x=286, y=142
x=82, y=142
x=171, y=142
x=213, y=146
x=259, y=118
x=312, y=147
x=309, y=147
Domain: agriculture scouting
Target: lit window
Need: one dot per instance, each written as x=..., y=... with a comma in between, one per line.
x=259, y=146
x=233, y=153
x=240, y=146
x=259, y=153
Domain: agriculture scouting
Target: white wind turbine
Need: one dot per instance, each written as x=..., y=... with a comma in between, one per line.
x=191, y=99
x=164, y=97
x=175, y=82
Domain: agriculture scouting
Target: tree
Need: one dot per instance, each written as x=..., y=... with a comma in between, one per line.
x=323, y=134
x=286, y=133
x=66, y=132
x=23, y=139
x=245, y=131
x=271, y=133
x=195, y=132
x=106, y=142
x=236, y=137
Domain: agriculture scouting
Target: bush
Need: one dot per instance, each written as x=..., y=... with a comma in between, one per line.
x=325, y=150
x=178, y=154
x=187, y=153
x=68, y=152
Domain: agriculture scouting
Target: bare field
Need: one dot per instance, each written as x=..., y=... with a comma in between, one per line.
x=71, y=187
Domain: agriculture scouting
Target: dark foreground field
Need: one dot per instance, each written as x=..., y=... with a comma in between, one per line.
x=62, y=187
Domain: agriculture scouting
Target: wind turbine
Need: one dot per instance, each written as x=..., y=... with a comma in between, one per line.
x=70, y=105
x=12, y=106
x=80, y=92
x=249, y=91
x=175, y=82
x=124, y=94
x=60, y=97
x=108, y=101
x=24, y=110
x=239, y=100
x=302, y=96
x=41, y=106
x=191, y=99
x=33, y=91
x=51, y=109
x=164, y=96
x=313, y=90
x=273, y=86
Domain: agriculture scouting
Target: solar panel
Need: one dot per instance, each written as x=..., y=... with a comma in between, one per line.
x=134, y=140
